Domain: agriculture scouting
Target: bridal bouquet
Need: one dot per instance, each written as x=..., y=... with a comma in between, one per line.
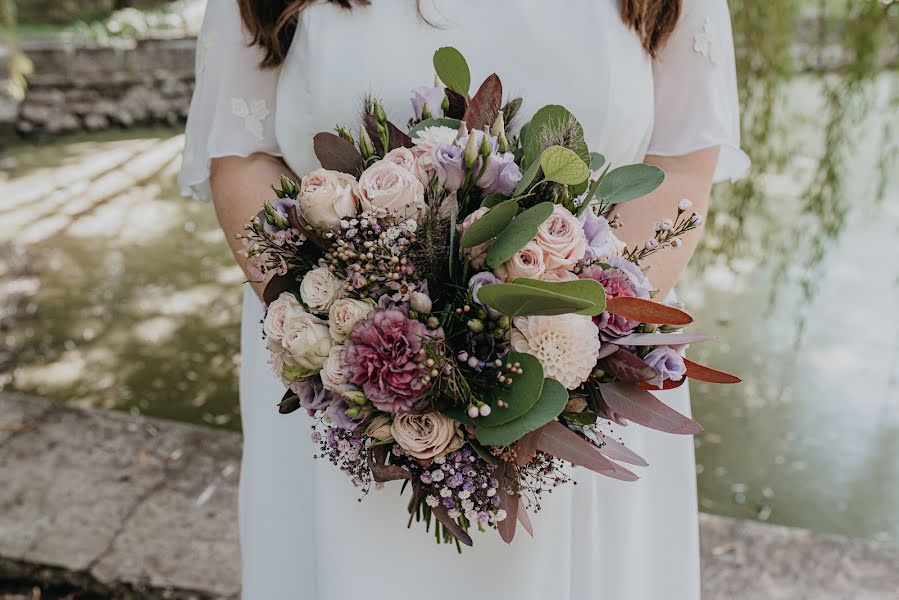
x=453, y=308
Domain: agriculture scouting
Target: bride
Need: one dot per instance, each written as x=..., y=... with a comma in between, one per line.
x=662, y=88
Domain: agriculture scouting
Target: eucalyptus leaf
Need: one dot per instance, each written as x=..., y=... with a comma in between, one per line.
x=521, y=396
x=452, y=69
x=564, y=166
x=591, y=192
x=516, y=300
x=516, y=236
x=588, y=290
x=490, y=225
x=527, y=178
x=597, y=160
x=552, y=402
x=492, y=200
x=436, y=122
x=630, y=182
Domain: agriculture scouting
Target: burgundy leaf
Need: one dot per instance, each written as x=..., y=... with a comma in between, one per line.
x=508, y=500
x=289, y=403
x=277, y=285
x=443, y=516
x=398, y=138
x=457, y=104
x=703, y=373
x=337, y=154
x=485, y=105
x=371, y=126
x=311, y=234
x=662, y=339
x=647, y=311
x=524, y=518
x=618, y=451
x=564, y=444
x=382, y=472
x=627, y=366
x=527, y=447
x=606, y=350
x=640, y=406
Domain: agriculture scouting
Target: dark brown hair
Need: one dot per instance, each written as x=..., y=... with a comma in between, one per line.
x=272, y=23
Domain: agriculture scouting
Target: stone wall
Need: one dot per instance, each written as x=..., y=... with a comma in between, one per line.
x=77, y=86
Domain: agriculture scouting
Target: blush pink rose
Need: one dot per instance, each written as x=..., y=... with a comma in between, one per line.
x=561, y=237
x=477, y=255
x=385, y=187
x=405, y=158
x=527, y=262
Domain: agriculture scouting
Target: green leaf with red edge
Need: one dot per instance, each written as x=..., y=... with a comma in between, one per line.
x=708, y=374
x=639, y=405
x=485, y=105
x=336, y=154
x=627, y=366
x=647, y=311
x=564, y=444
x=666, y=385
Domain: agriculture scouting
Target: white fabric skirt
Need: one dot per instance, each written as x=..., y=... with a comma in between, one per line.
x=305, y=536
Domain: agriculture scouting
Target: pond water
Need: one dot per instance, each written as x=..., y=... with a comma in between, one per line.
x=116, y=293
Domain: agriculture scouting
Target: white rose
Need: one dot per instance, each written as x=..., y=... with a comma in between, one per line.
x=307, y=343
x=333, y=377
x=527, y=262
x=276, y=356
x=345, y=313
x=326, y=197
x=319, y=289
x=278, y=311
x=386, y=187
x=424, y=436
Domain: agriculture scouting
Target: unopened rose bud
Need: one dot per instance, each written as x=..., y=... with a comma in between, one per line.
x=470, y=156
x=379, y=428
x=420, y=302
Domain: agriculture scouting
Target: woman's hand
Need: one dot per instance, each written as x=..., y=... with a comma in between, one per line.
x=240, y=185
x=689, y=176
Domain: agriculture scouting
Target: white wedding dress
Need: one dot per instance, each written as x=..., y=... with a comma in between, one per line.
x=303, y=533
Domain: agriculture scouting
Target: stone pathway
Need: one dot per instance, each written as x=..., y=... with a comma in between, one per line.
x=125, y=506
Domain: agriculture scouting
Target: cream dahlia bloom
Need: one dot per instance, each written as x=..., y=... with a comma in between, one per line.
x=567, y=346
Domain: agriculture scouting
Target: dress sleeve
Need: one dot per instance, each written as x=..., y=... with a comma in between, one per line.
x=231, y=113
x=696, y=103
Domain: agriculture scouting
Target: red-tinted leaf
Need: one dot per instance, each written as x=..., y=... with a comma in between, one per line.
x=666, y=385
x=442, y=515
x=618, y=451
x=398, y=138
x=703, y=373
x=508, y=500
x=662, y=339
x=485, y=105
x=277, y=285
x=457, y=104
x=289, y=403
x=564, y=444
x=527, y=447
x=337, y=154
x=640, y=406
x=627, y=366
x=382, y=472
x=607, y=349
x=311, y=234
x=647, y=311
x=524, y=518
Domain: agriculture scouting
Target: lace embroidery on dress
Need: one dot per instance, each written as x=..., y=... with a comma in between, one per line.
x=702, y=41
x=252, y=113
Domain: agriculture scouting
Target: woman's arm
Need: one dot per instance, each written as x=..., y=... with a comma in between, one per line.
x=688, y=176
x=239, y=188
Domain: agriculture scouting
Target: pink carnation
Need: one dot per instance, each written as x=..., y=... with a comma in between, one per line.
x=385, y=357
x=616, y=283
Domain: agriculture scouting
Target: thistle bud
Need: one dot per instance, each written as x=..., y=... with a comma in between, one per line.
x=366, y=146
x=470, y=156
x=345, y=134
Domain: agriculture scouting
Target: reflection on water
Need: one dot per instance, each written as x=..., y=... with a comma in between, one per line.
x=117, y=293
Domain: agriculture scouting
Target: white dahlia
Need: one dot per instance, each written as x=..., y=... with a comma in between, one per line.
x=567, y=346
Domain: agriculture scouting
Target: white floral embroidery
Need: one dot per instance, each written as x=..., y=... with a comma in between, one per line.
x=207, y=42
x=252, y=113
x=702, y=41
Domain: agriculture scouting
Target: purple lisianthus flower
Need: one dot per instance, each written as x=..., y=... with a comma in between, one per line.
x=598, y=234
x=501, y=175
x=313, y=395
x=383, y=357
x=667, y=363
x=337, y=413
x=429, y=96
x=450, y=166
x=281, y=208
x=492, y=140
x=476, y=283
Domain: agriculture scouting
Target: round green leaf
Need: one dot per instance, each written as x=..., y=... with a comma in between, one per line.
x=436, y=122
x=452, y=69
x=588, y=290
x=563, y=166
x=521, y=396
x=516, y=236
x=597, y=160
x=630, y=182
x=490, y=225
x=516, y=300
x=553, y=399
